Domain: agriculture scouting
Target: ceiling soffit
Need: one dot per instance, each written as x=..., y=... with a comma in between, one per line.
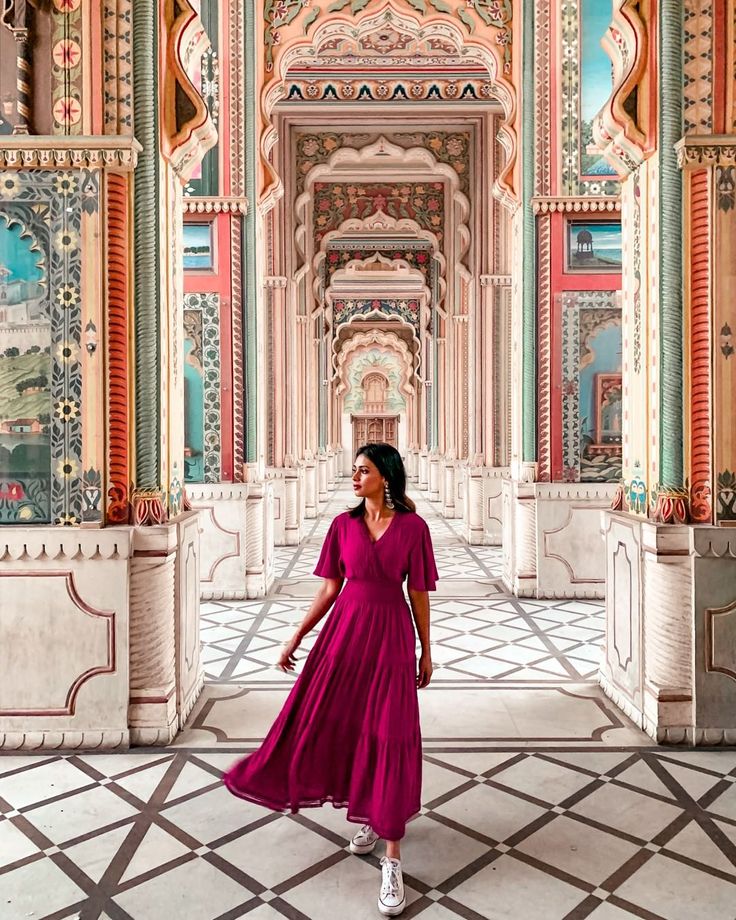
x=395, y=166
x=433, y=55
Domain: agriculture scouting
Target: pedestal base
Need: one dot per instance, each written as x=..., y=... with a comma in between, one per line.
x=99, y=637
x=287, y=484
x=223, y=538
x=669, y=656
x=551, y=538
x=482, y=504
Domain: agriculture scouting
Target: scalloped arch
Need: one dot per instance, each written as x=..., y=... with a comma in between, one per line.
x=387, y=341
x=11, y=220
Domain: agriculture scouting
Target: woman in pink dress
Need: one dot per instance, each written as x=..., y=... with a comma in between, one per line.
x=349, y=731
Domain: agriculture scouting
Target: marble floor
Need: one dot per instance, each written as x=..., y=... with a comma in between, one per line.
x=541, y=801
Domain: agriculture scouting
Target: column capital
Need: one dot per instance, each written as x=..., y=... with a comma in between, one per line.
x=696, y=151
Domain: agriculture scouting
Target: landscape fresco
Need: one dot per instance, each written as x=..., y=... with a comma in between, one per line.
x=596, y=82
x=198, y=250
x=25, y=379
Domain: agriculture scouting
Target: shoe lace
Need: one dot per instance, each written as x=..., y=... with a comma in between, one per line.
x=365, y=831
x=391, y=877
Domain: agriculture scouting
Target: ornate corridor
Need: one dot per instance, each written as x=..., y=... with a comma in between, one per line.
x=540, y=799
x=237, y=239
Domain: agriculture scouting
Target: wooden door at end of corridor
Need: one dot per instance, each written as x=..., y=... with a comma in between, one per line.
x=375, y=428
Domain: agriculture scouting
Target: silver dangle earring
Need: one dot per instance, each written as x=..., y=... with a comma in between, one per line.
x=387, y=496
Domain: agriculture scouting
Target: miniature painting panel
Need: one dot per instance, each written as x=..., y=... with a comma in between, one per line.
x=594, y=246
x=198, y=246
x=25, y=377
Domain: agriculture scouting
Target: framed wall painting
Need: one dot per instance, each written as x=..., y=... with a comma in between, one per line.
x=199, y=246
x=593, y=246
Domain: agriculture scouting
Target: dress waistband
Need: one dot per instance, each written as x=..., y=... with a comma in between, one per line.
x=372, y=588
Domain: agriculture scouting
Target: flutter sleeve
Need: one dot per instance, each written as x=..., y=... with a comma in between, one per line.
x=330, y=565
x=422, y=569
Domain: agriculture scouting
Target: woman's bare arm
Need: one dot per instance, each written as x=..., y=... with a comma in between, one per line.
x=420, y=609
x=323, y=600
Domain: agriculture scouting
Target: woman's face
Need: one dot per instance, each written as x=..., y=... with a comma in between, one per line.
x=367, y=481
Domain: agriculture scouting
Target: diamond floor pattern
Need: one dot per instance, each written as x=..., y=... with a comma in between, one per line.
x=540, y=800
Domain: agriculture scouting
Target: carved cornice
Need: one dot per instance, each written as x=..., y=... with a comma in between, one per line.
x=216, y=492
x=219, y=205
x=81, y=152
x=700, y=150
x=56, y=544
x=572, y=205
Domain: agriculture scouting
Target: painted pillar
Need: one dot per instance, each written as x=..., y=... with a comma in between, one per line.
x=250, y=299
x=671, y=498
x=528, y=254
x=146, y=247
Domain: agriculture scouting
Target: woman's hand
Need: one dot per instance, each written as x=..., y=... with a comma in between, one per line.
x=424, y=673
x=287, y=661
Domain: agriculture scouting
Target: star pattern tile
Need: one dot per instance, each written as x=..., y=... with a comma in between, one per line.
x=539, y=798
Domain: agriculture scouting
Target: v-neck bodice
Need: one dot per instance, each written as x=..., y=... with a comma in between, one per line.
x=404, y=548
x=376, y=540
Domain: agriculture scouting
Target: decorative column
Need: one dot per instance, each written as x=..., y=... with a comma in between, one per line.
x=148, y=504
x=19, y=29
x=519, y=522
x=488, y=465
x=672, y=498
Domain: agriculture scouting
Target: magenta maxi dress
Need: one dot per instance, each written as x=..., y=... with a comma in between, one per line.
x=349, y=730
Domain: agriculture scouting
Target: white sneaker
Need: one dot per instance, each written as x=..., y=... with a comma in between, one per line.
x=392, y=899
x=364, y=841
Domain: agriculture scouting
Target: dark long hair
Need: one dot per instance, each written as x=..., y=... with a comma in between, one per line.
x=389, y=464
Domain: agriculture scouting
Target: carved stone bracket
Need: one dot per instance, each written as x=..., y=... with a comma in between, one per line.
x=699, y=150
x=22, y=152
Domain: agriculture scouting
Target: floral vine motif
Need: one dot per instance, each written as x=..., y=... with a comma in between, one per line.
x=278, y=13
x=725, y=340
x=496, y=13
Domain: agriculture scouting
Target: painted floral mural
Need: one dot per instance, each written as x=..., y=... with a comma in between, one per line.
x=423, y=202
x=339, y=258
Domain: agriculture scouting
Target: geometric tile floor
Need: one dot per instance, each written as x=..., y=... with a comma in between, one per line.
x=540, y=800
